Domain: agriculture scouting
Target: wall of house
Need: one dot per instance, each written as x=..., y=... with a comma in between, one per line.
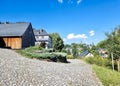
x=39, y=38
x=89, y=55
x=12, y=42
x=46, y=39
x=48, y=44
x=28, y=38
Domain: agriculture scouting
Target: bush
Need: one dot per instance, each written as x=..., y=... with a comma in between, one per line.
x=48, y=50
x=54, y=56
x=70, y=57
x=31, y=49
x=99, y=61
x=40, y=48
x=61, y=57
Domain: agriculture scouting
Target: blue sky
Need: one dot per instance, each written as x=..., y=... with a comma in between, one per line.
x=75, y=20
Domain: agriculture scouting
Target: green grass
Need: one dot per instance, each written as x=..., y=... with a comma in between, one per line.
x=107, y=76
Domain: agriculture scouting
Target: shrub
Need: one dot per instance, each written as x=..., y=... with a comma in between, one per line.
x=54, y=56
x=40, y=48
x=69, y=57
x=31, y=49
x=22, y=52
x=61, y=57
x=48, y=50
x=60, y=53
x=99, y=61
x=90, y=60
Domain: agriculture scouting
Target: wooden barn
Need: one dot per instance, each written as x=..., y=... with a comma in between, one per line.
x=16, y=35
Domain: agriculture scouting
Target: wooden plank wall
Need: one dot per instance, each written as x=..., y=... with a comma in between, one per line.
x=13, y=43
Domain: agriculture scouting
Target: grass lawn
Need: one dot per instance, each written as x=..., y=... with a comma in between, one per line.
x=107, y=76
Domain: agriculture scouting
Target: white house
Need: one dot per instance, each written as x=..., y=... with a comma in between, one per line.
x=103, y=53
x=86, y=54
x=42, y=36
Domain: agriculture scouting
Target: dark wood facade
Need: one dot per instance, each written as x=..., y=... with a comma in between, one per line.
x=18, y=42
x=28, y=38
x=11, y=42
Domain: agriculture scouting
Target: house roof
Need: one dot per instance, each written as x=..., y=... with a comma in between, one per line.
x=13, y=29
x=41, y=32
x=85, y=53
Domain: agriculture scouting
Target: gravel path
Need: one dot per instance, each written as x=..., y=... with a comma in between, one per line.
x=16, y=70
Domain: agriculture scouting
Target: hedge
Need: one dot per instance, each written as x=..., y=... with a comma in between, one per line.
x=54, y=56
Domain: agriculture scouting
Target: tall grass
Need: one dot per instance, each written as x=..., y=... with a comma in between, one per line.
x=103, y=69
x=99, y=61
x=107, y=76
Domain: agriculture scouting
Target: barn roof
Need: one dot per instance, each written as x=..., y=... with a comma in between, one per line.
x=41, y=32
x=13, y=29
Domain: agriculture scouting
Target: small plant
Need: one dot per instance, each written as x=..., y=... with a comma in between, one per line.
x=40, y=48
x=99, y=61
x=70, y=57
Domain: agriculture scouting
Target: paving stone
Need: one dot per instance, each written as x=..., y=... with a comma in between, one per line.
x=16, y=70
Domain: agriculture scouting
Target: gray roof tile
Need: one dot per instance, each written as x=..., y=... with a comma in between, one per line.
x=85, y=53
x=15, y=29
x=41, y=32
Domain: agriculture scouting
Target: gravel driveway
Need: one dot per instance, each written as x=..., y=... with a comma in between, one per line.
x=16, y=70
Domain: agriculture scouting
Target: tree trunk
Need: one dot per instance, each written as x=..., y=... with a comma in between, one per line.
x=112, y=61
x=118, y=63
x=118, y=66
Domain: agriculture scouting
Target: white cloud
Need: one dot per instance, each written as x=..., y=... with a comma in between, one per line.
x=92, y=33
x=78, y=36
x=70, y=36
x=79, y=1
x=60, y=1
x=64, y=39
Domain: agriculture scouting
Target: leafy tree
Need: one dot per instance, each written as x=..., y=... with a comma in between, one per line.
x=43, y=44
x=93, y=50
x=83, y=47
x=74, y=50
x=57, y=42
x=67, y=49
x=67, y=46
x=102, y=44
x=112, y=44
